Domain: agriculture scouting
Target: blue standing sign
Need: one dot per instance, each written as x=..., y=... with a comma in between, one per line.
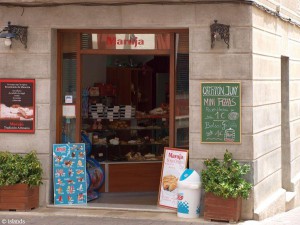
x=69, y=174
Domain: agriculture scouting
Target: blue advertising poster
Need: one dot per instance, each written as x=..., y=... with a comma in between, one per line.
x=69, y=174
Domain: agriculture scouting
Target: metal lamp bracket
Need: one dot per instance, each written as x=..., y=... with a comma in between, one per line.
x=219, y=29
x=21, y=33
x=15, y=31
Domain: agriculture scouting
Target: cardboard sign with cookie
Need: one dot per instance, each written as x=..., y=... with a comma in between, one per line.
x=174, y=164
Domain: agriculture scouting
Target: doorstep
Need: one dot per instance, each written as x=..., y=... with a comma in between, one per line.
x=55, y=211
x=116, y=207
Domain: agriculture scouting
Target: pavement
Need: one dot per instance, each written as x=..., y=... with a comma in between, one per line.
x=62, y=216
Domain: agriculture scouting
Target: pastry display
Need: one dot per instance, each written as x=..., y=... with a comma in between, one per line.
x=132, y=142
x=125, y=131
x=169, y=182
x=100, y=141
x=118, y=124
x=16, y=112
x=150, y=156
x=114, y=141
x=157, y=111
x=132, y=156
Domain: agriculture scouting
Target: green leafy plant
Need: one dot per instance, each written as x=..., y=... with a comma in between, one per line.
x=15, y=169
x=226, y=178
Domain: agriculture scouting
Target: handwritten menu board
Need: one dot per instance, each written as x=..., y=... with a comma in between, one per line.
x=17, y=105
x=174, y=164
x=69, y=174
x=221, y=112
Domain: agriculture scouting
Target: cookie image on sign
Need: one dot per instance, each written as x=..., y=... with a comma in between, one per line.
x=169, y=182
x=233, y=116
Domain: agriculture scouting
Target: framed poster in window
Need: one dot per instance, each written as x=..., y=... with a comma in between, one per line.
x=17, y=105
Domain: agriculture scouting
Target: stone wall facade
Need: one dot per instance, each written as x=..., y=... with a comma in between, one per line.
x=257, y=43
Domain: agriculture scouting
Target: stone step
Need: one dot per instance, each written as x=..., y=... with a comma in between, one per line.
x=289, y=200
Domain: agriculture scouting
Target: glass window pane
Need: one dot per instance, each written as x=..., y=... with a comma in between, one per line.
x=69, y=67
x=182, y=91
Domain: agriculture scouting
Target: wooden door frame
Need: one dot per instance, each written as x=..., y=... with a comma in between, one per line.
x=80, y=52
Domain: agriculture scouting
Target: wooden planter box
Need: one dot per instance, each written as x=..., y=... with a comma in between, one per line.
x=19, y=197
x=220, y=209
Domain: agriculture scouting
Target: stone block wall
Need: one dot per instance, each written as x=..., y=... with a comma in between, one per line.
x=267, y=40
x=276, y=158
x=220, y=63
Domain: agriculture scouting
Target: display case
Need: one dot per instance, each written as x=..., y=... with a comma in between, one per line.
x=128, y=139
x=121, y=119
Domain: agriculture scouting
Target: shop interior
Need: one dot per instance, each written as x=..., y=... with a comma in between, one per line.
x=125, y=119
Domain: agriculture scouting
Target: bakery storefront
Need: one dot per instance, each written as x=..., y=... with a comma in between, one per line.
x=125, y=93
x=125, y=78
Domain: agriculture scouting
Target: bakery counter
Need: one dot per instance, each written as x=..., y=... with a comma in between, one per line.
x=131, y=176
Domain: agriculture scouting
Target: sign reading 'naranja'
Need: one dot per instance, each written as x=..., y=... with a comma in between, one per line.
x=221, y=112
x=131, y=41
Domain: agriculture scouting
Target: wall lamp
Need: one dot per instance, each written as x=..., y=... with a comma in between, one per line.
x=14, y=31
x=221, y=30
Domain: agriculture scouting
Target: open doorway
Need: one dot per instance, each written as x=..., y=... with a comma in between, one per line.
x=129, y=104
x=125, y=115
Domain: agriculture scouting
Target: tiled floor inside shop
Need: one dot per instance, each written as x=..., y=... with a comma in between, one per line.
x=146, y=201
x=144, y=198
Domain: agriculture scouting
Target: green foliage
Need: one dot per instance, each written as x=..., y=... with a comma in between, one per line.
x=15, y=169
x=225, y=179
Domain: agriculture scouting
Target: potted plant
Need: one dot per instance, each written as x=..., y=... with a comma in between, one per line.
x=224, y=187
x=20, y=177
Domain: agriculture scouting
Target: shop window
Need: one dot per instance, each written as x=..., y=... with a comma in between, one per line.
x=182, y=91
x=68, y=92
x=125, y=110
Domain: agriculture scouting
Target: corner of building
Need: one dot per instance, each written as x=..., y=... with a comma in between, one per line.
x=273, y=205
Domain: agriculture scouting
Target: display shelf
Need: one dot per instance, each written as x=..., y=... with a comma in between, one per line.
x=127, y=129
x=165, y=116
x=137, y=144
x=149, y=116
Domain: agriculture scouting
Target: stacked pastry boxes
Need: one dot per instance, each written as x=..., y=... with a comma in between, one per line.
x=127, y=111
x=97, y=111
x=100, y=111
x=113, y=112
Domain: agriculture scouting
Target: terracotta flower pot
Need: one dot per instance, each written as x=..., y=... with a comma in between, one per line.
x=221, y=209
x=19, y=197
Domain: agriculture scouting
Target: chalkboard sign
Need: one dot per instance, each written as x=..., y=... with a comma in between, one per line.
x=221, y=112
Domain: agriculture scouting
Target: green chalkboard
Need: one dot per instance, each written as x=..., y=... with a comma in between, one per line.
x=221, y=112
